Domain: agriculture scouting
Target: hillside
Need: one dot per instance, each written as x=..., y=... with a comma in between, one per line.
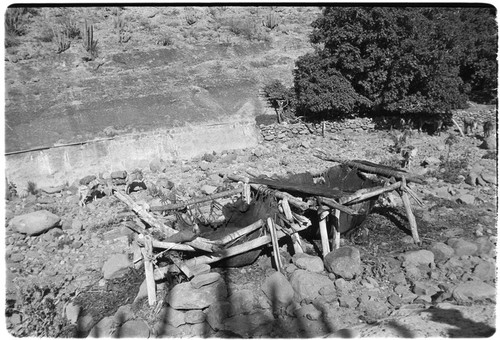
x=155, y=66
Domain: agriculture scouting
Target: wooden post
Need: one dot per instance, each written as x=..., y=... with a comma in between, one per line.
x=246, y=192
x=336, y=228
x=274, y=241
x=286, y=209
x=409, y=212
x=147, y=253
x=297, y=244
x=325, y=244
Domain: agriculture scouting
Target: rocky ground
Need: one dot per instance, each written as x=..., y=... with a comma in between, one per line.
x=74, y=275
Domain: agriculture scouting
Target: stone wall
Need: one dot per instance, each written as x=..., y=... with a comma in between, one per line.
x=58, y=165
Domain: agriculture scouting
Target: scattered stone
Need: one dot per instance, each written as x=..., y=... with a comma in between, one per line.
x=485, y=271
x=374, y=310
x=485, y=247
x=343, y=285
x=123, y=314
x=395, y=300
x=348, y=301
x=242, y=302
x=424, y=288
x=307, y=284
x=199, y=269
x=34, y=223
x=489, y=177
x=308, y=311
x=398, y=278
x=204, y=279
x=103, y=328
x=72, y=312
x=417, y=258
x=466, y=199
x=185, y=296
x=194, y=316
x=441, y=251
x=87, y=179
x=208, y=189
x=462, y=247
x=119, y=175
x=471, y=178
x=157, y=165
x=16, y=257
x=308, y=262
x=134, y=329
x=116, y=266
x=277, y=289
x=172, y=316
x=473, y=290
x=217, y=313
x=250, y=325
x=344, y=262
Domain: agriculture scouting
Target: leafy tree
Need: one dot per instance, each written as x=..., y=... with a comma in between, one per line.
x=402, y=60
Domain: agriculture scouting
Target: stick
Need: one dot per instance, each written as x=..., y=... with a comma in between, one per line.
x=375, y=169
x=182, y=205
x=274, y=242
x=296, y=202
x=297, y=243
x=147, y=253
x=336, y=228
x=359, y=196
x=458, y=126
x=332, y=204
x=237, y=234
x=198, y=243
x=286, y=209
x=232, y=251
x=325, y=244
x=409, y=212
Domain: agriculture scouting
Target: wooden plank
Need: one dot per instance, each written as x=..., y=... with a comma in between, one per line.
x=199, y=200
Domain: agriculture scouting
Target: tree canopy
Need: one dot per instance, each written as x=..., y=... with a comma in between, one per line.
x=397, y=59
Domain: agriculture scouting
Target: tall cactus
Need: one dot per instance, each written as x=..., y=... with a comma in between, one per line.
x=89, y=43
x=271, y=21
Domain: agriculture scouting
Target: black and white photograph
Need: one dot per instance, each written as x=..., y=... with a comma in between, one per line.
x=250, y=170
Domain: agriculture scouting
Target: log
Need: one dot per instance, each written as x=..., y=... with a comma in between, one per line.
x=375, y=169
x=232, y=251
x=198, y=243
x=199, y=200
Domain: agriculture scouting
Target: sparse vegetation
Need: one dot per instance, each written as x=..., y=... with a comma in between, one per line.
x=31, y=188
x=15, y=21
x=89, y=43
x=62, y=41
x=271, y=21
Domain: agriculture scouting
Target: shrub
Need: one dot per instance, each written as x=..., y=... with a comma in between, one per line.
x=15, y=21
x=62, y=41
x=271, y=21
x=31, y=188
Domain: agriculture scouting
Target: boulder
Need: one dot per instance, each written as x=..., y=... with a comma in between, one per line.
x=489, y=177
x=204, y=279
x=194, y=316
x=119, y=174
x=116, y=266
x=242, y=301
x=278, y=289
x=102, y=329
x=217, y=313
x=134, y=329
x=186, y=296
x=417, y=258
x=441, y=251
x=466, y=199
x=34, y=223
x=157, y=165
x=485, y=270
x=308, y=262
x=473, y=290
x=172, y=316
x=462, y=247
x=307, y=285
x=344, y=262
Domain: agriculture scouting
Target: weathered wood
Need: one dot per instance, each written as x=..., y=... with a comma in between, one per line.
x=199, y=200
x=232, y=251
x=375, y=168
x=360, y=195
x=336, y=228
x=147, y=253
x=409, y=212
x=325, y=244
x=286, y=209
x=241, y=232
x=296, y=202
x=198, y=243
x=333, y=204
x=458, y=126
x=274, y=242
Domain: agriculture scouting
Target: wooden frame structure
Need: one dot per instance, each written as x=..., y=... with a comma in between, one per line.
x=291, y=220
